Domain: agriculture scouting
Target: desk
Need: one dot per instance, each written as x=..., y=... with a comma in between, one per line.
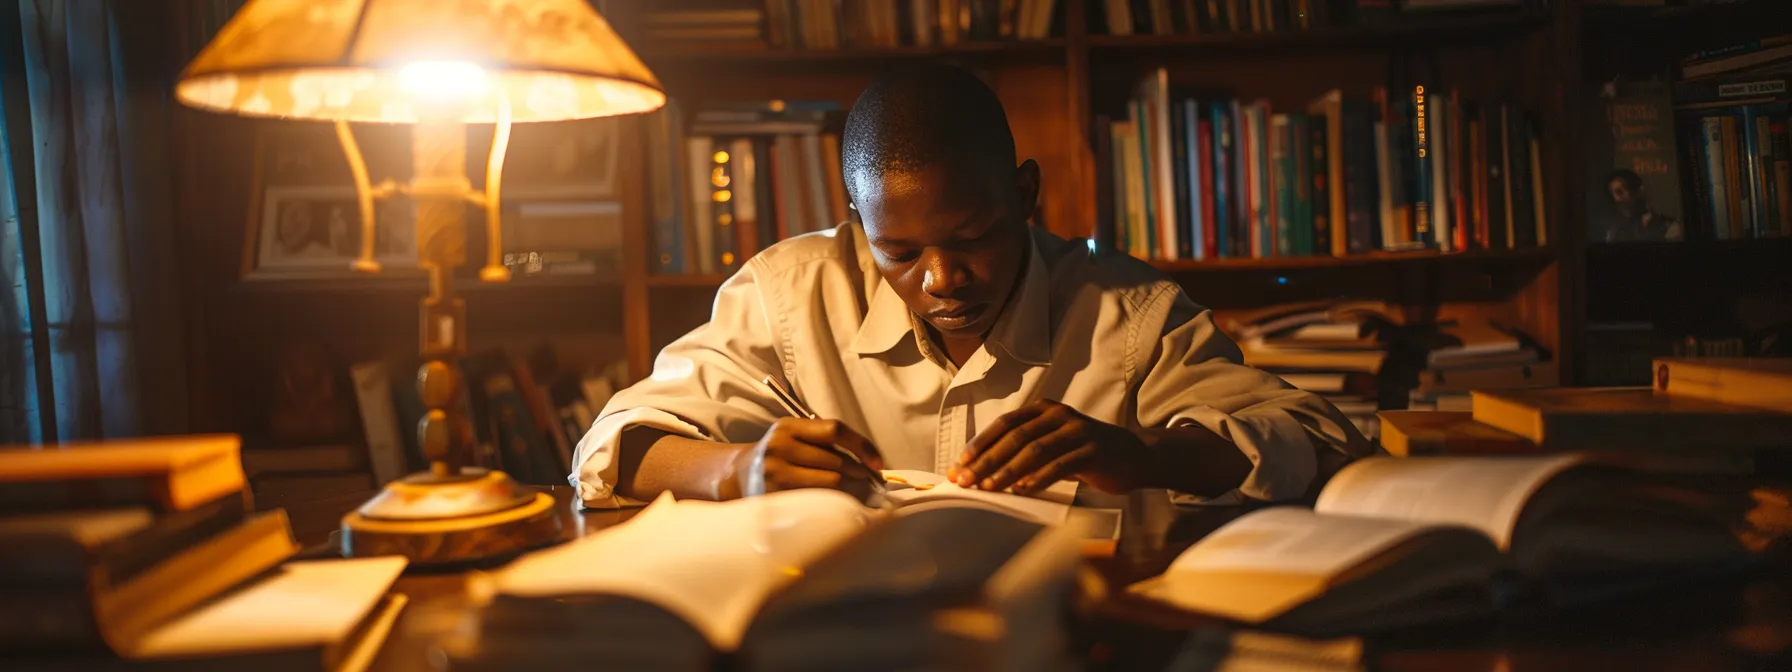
x=1740, y=624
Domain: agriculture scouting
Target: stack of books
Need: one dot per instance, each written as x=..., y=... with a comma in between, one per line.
x=1468, y=354
x=713, y=27
x=1332, y=348
x=1535, y=499
x=129, y=554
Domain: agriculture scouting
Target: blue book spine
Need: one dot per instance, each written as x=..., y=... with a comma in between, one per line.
x=1197, y=224
x=1222, y=183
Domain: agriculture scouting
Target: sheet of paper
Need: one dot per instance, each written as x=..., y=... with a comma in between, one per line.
x=710, y=563
x=1050, y=506
x=1485, y=493
x=1267, y=562
x=303, y=604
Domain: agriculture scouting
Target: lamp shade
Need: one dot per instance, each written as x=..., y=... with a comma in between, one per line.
x=402, y=61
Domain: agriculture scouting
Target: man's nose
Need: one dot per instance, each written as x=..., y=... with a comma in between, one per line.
x=944, y=275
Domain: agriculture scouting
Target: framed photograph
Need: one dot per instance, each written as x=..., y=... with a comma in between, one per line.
x=315, y=232
x=558, y=160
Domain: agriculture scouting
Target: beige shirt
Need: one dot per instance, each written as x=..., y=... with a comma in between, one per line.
x=1103, y=333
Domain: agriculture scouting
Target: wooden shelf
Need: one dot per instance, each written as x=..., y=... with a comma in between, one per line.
x=774, y=56
x=1370, y=259
x=415, y=283
x=688, y=280
x=1438, y=29
x=1755, y=11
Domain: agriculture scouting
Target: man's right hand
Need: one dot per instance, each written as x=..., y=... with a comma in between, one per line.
x=796, y=453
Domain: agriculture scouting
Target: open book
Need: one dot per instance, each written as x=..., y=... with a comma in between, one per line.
x=1393, y=542
x=789, y=576
x=912, y=491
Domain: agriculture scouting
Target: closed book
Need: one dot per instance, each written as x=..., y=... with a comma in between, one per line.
x=117, y=617
x=1629, y=417
x=322, y=615
x=107, y=547
x=1757, y=382
x=167, y=473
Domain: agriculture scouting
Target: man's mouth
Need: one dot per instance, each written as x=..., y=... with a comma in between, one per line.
x=957, y=317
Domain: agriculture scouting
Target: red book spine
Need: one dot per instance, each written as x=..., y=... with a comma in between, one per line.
x=1210, y=245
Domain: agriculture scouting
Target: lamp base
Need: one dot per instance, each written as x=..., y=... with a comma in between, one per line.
x=449, y=519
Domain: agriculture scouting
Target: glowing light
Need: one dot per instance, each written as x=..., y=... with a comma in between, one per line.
x=438, y=80
x=722, y=196
x=720, y=157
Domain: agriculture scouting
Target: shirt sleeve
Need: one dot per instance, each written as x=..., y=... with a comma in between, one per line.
x=1195, y=375
x=705, y=385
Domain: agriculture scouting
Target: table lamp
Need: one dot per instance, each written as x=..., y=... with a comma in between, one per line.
x=436, y=65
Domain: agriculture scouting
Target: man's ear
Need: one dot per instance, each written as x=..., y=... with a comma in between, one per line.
x=1026, y=187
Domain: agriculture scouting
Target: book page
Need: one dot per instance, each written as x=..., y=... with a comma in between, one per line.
x=710, y=563
x=1267, y=562
x=303, y=604
x=1485, y=493
x=1050, y=506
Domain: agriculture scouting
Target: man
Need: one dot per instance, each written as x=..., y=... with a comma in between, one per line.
x=947, y=334
x=1635, y=221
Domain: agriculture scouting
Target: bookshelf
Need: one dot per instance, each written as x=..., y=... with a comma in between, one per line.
x=1053, y=89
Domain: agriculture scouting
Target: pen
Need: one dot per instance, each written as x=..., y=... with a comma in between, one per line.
x=796, y=408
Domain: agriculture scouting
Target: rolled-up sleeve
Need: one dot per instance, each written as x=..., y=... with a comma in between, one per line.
x=705, y=385
x=1195, y=375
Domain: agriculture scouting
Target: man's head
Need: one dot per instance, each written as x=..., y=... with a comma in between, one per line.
x=929, y=163
x=1626, y=189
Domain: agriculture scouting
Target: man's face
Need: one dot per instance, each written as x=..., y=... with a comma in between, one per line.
x=950, y=245
x=1625, y=198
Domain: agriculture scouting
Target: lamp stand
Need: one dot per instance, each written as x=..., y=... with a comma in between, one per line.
x=453, y=512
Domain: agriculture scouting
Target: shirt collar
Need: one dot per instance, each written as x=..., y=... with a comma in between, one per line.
x=1023, y=331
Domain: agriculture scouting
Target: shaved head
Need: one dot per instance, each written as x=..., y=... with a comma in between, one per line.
x=927, y=115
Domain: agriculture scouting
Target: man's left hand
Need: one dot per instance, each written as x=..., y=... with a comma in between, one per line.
x=1044, y=442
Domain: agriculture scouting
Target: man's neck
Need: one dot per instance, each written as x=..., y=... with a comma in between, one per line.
x=959, y=350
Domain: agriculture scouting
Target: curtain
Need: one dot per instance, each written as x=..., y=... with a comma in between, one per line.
x=94, y=330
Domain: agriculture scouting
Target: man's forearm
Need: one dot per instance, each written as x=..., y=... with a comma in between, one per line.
x=1193, y=460
x=653, y=462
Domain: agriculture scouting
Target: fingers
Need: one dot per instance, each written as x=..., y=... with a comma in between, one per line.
x=1042, y=419
x=1064, y=466
x=1008, y=422
x=1035, y=455
x=831, y=433
x=782, y=475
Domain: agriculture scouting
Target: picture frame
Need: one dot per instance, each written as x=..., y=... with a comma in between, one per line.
x=314, y=231
x=572, y=160
x=303, y=223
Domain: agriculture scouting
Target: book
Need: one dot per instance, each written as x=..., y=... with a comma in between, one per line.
x=327, y=615
x=1627, y=417
x=102, y=547
x=802, y=578
x=1418, y=433
x=117, y=616
x=913, y=491
x=1392, y=542
x=168, y=473
x=1757, y=382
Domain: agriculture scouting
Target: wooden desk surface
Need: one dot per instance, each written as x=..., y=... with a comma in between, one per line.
x=1740, y=623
